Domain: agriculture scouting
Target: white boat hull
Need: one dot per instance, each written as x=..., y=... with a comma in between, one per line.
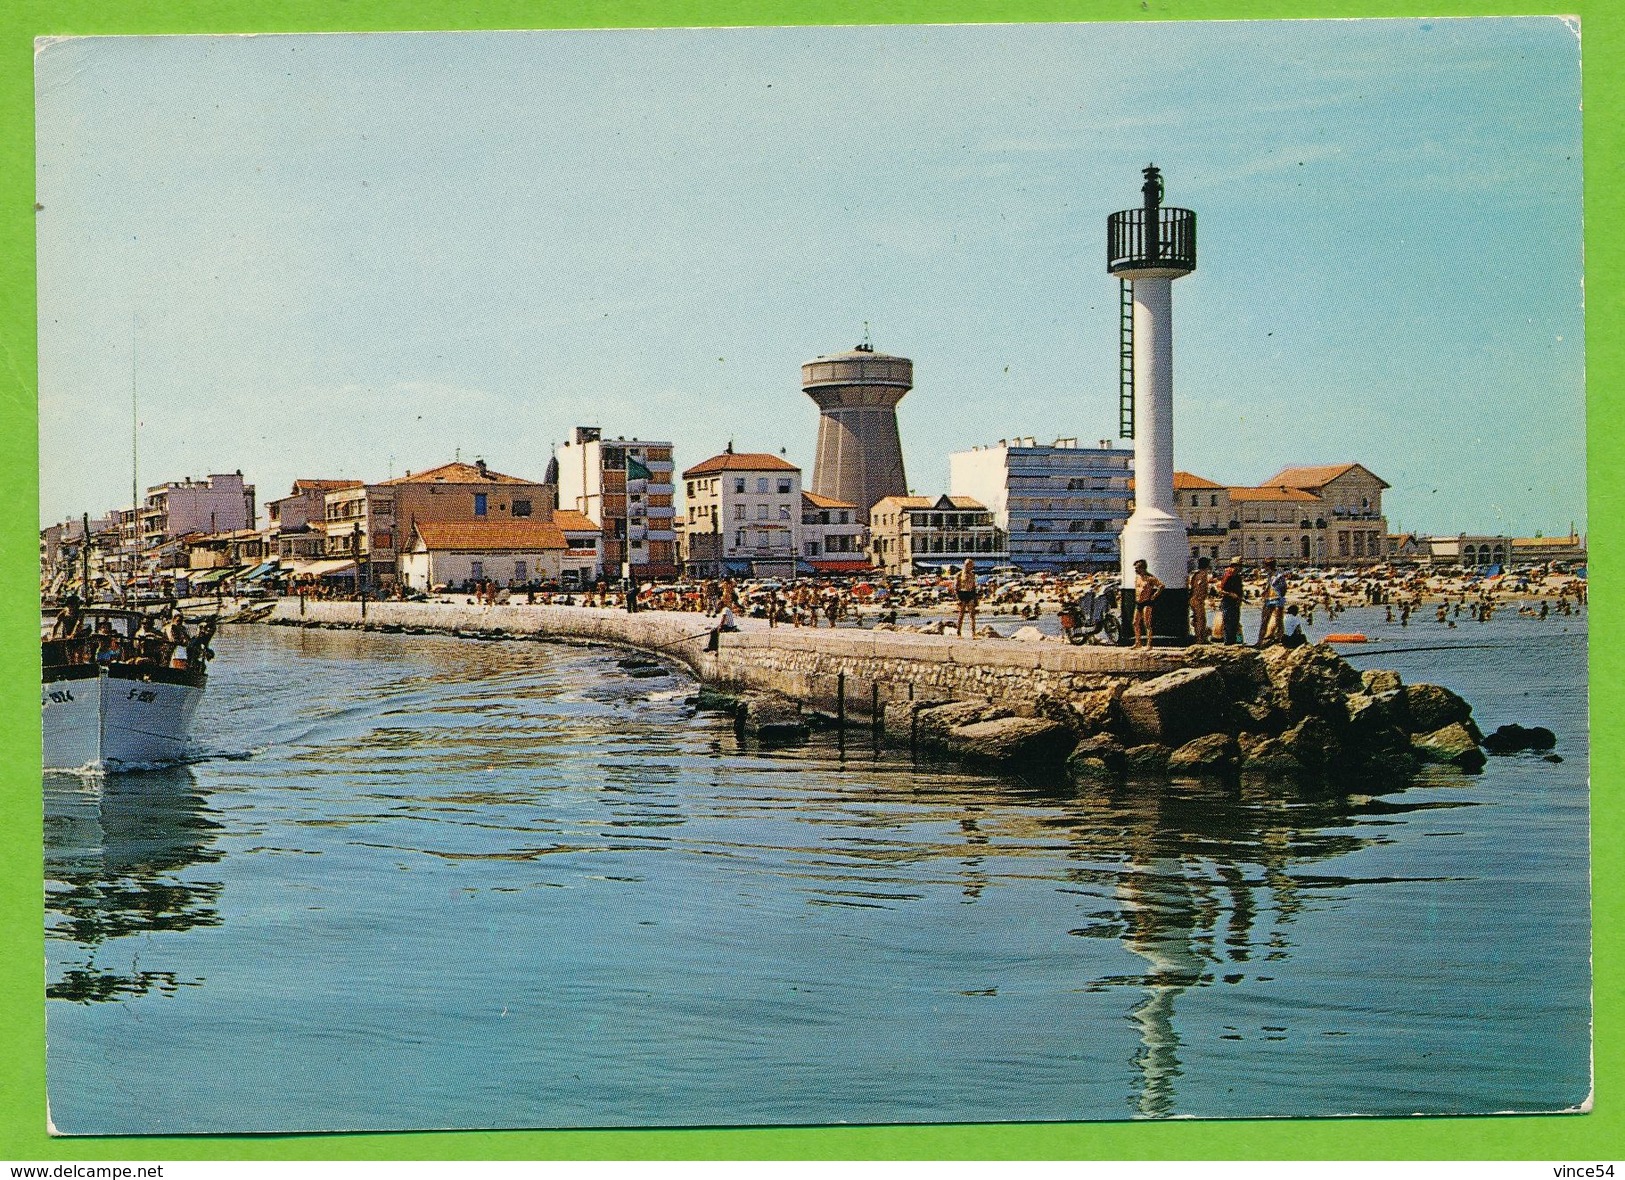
x=94, y=720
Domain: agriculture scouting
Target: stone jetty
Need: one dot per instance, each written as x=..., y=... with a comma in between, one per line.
x=1035, y=705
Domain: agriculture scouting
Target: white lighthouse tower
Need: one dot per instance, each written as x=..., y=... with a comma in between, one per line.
x=1148, y=248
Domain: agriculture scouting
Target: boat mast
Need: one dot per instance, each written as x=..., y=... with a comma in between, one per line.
x=135, y=483
x=84, y=561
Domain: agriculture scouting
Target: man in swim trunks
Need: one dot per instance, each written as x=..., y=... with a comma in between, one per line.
x=1146, y=589
x=965, y=591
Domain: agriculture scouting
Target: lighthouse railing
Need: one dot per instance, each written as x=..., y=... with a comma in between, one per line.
x=1172, y=245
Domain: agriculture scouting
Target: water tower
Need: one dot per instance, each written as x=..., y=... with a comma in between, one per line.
x=1148, y=248
x=860, y=456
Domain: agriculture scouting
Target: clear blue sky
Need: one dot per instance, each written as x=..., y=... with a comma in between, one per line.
x=353, y=255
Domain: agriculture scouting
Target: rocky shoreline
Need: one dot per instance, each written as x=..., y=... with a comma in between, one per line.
x=1302, y=715
x=1047, y=711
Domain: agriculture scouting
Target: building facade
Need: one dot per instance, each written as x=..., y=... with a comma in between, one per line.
x=1060, y=506
x=742, y=516
x=625, y=487
x=371, y=524
x=299, y=519
x=833, y=539
x=509, y=553
x=217, y=504
x=1302, y=516
x=911, y=535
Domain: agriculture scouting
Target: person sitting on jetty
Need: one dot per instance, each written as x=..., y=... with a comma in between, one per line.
x=965, y=592
x=1292, y=632
x=1146, y=588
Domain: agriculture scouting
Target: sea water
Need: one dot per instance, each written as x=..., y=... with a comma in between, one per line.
x=426, y=882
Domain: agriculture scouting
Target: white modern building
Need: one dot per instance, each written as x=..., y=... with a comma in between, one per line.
x=742, y=516
x=220, y=503
x=1060, y=505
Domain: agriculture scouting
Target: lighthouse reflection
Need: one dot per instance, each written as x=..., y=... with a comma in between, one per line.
x=116, y=853
x=1210, y=880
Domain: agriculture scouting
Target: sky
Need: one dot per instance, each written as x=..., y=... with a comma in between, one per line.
x=358, y=255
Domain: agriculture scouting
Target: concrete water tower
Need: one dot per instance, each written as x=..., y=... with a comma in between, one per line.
x=860, y=456
x=1148, y=248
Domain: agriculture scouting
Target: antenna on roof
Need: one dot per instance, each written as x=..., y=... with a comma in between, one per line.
x=729, y=449
x=867, y=345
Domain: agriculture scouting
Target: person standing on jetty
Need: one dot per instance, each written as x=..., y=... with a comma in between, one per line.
x=1230, y=590
x=1146, y=589
x=965, y=591
x=1271, y=622
x=1201, y=579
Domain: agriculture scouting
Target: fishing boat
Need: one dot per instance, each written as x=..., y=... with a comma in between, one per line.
x=114, y=693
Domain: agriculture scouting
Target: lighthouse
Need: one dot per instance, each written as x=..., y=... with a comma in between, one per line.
x=1148, y=248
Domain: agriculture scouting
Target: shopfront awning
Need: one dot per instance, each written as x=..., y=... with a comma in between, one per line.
x=325, y=568
x=265, y=569
x=848, y=566
x=210, y=577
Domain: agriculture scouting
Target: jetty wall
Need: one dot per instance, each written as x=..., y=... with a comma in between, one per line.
x=838, y=670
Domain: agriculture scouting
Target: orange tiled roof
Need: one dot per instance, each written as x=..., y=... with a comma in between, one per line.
x=929, y=502
x=1278, y=493
x=1315, y=478
x=323, y=485
x=571, y=521
x=740, y=461
x=817, y=501
x=490, y=535
x=1184, y=481
x=457, y=473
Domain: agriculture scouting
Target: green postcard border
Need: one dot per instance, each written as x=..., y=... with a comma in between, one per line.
x=1570, y=1138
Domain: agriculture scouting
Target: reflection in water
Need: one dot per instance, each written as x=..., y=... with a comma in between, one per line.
x=115, y=850
x=549, y=894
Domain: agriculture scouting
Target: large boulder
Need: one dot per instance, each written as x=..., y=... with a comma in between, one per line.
x=1451, y=745
x=1216, y=753
x=1312, y=679
x=1509, y=739
x=772, y=720
x=1012, y=742
x=1380, y=680
x=1175, y=707
x=1098, y=709
x=1150, y=758
x=1097, y=758
x=1432, y=707
x=934, y=724
x=1268, y=756
x=1313, y=744
x=1373, y=717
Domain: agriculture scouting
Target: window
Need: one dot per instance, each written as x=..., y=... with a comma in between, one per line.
x=739, y=485
x=810, y=549
x=690, y=486
x=761, y=512
x=479, y=505
x=843, y=517
x=784, y=512
x=1213, y=502
x=784, y=487
x=739, y=512
x=476, y=569
x=521, y=507
x=761, y=484
x=519, y=571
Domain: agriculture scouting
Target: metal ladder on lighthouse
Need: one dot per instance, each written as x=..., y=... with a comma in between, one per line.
x=1125, y=359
